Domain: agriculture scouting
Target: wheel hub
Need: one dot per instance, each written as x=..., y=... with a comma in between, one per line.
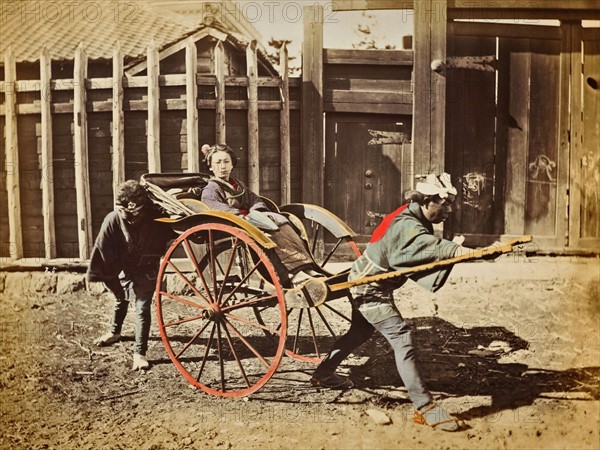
x=213, y=313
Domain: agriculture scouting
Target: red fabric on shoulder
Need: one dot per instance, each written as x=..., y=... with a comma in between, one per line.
x=385, y=224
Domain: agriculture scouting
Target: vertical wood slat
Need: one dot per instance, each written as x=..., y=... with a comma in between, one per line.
x=576, y=129
x=153, y=109
x=12, y=158
x=47, y=156
x=286, y=182
x=518, y=139
x=80, y=139
x=191, y=91
x=220, y=68
x=118, y=121
x=501, y=138
x=253, y=156
x=312, y=106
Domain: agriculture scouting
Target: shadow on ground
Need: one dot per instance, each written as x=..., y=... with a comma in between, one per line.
x=458, y=362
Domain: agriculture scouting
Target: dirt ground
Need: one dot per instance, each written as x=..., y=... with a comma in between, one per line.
x=511, y=347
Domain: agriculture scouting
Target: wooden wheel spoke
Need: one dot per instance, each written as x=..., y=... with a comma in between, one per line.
x=295, y=346
x=212, y=257
x=245, y=341
x=315, y=238
x=237, y=360
x=252, y=324
x=249, y=303
x=314, y=334
x=190, y=342
x=206, y=350
x=325, y=322
x=190, y=253
x=220, y=351
x=189, y=283
x=179, y=322
x=228, y=269
x=330, y=254
x=336, y=312
x=182, y=300
x=241, y=283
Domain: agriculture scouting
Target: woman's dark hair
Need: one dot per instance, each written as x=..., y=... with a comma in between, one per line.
x=220, y=148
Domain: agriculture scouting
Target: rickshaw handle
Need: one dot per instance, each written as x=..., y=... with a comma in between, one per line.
x=503, y=247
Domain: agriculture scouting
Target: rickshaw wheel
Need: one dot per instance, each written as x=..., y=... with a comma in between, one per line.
x=206, y=311
x=312, y=331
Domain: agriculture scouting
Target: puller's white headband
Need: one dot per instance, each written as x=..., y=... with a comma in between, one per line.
x=434, y=185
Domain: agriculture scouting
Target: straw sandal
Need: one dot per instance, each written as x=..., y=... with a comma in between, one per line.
x=436, y=417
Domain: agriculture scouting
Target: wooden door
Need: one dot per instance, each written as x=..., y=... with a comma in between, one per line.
x=363, y=167
x=584, y=217
x=507, y=137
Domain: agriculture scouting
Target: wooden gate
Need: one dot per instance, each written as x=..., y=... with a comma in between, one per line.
x=524, y=139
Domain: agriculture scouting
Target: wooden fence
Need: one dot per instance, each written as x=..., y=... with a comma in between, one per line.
x=68, y=142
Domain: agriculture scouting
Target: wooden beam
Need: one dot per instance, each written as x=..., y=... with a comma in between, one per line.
x=370, y=108
x=253, y=155
x=82, y=177
x=429, y=90
x=118, y=121
x=504, y=30
x=15, y=230
x=153, y=110
x=220, y=69
x=142, y=82
x=47, y=158
x=368, y=57
x=284, y=121
x=191, y=96
x=344, y=96
x=313, y=164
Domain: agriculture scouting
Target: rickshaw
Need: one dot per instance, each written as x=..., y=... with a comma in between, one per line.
x=224, y=316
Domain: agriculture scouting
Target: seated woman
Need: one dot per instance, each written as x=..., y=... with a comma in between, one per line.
x=225, y=193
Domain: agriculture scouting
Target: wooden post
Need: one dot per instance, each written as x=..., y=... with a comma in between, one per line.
x=191, y=94
x=312, y=106
x=15, y=230
x=82, y=178
x=153, y=109
x=284, y=120
x=253, y=155
x=220, y=93
x=118, y=121
x=47, y=152
x=429, y=115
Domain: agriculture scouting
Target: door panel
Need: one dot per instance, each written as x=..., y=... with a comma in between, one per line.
x=470, y=123
x=363, y=165
x=584, y=226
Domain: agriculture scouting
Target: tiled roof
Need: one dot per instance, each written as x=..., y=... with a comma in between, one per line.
x=62, y=25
